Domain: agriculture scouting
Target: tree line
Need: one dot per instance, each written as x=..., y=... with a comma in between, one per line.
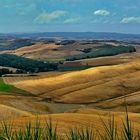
x=25, y=64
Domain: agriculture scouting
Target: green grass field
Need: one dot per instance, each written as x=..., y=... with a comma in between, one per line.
x=11, y=89
x=5, y=87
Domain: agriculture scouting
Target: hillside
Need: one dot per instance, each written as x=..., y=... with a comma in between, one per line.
x=111, y=60
x=72, y=50
x=8, y=112
x=21, y=104
x=34, y=51
x=86, y=86
x=11, y=43
x=76, y=93
x=25, y=64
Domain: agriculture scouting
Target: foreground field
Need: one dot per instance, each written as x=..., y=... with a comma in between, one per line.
x=81, y=117
x=86, y=124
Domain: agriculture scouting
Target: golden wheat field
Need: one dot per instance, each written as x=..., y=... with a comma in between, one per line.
x=80, y=119
x=103, y=87
x=75, y=99
x=69, y=69
x=29, y=104
x=8, y=112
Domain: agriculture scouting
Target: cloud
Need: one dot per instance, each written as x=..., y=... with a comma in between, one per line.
x=46, y=17
x=130, y=20
x=101, y=12
x=72, y=20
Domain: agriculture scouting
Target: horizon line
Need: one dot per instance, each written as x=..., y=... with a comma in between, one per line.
x=35, y=32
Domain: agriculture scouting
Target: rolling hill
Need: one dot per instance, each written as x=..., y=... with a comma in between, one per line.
x=8, y=112
x=93, y=86
x=71, y=50
x=73, y=98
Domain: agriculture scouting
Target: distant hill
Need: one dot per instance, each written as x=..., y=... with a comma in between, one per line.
x=13, y=43
x=78, y=35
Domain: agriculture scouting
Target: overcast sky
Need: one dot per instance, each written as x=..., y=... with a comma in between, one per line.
x=70, y=15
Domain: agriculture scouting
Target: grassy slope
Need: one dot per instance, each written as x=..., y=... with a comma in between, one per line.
x=5, y=87
x=16, y=102
x=23, y=103
x=39, y=51
x=87, y=86
x=11, y=89
x=9, y=112
x=52, y=52
x=109, y=60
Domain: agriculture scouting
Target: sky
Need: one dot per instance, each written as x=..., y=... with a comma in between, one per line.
x=121, y=16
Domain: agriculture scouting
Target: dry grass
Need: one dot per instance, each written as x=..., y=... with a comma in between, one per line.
x=7, y=112
x=110, y=60
x=33, y=105
x=109, y=129
x=33, y=48
x=43, y=51
x=24, y=77
x=87, y=86
x=72, y=120
x=103, y=87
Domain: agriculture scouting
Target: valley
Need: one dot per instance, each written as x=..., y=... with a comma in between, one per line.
x=73, y=81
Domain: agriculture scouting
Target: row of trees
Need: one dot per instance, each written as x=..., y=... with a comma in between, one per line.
x=5, y=71
x=25, y=64
x=101, y=51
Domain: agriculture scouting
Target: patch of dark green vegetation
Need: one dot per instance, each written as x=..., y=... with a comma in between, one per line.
x=5, y=71
x=12, y=44
x=12, y=89
x=105, y=50
x=87, y=50
x=25, y=64
x=65, y=42
x=5, y=87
